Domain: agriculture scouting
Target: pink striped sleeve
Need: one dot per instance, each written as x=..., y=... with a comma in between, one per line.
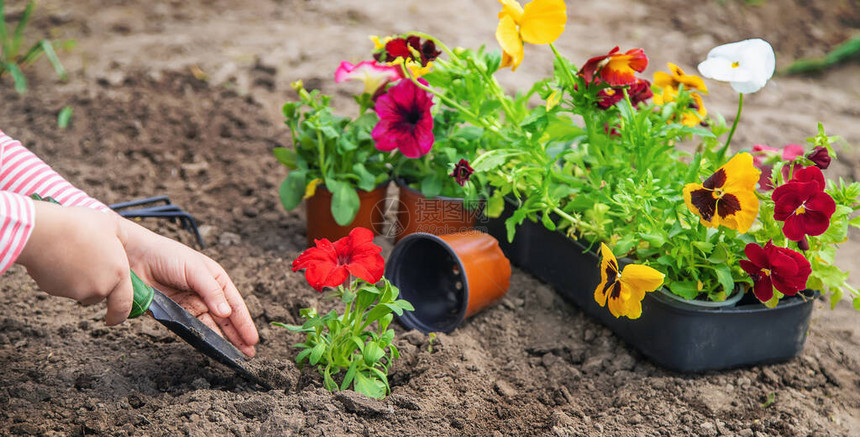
x=16, y=225
x=21, y=174
x=24, y=173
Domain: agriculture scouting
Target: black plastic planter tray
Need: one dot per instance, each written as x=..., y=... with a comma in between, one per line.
x=673, y=334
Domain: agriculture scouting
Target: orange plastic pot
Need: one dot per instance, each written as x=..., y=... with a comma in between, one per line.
x=447, y=278
x=437, y=216
x=321, y=223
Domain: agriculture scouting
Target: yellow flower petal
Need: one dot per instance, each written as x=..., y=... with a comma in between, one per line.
x=608, y=263
x=743, y=219
x=741, y=173
x=543, y=21
x=511, y=9
x=641, y=279
x=509, y=38
x=663, y=79
x=311, y=188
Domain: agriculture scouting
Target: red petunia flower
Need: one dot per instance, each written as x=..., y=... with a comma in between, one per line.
x=820, y=157
x=614, y=68
x=803, y=205
x=462, y=172
x=405, y=122
x=775, y=267
x=330, y=264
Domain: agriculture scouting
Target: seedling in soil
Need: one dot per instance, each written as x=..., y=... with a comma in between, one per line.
x=358, y=344
x=12, y=58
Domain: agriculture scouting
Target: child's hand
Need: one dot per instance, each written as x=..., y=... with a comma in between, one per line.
x=193, y=280
x=79, y=253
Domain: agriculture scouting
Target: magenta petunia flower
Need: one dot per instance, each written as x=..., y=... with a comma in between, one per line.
x=803, y=205
x=775, y=267
x=405, y=122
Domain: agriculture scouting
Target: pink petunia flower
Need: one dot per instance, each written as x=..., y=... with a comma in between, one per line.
x=764, y=156
x=374, y=75
x=405, y=122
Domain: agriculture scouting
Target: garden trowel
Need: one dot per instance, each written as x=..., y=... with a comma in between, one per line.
x=193, y=331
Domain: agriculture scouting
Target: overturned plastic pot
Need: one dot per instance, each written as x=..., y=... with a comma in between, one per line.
x=447, y=278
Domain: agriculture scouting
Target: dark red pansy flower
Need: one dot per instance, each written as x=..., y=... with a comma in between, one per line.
x=406, y=48
x=405, y=122
x=803, y=205
x=462, y=172
x=820, y=157
x=330, y=264
x=638, y=92
x=614, y=68
x=775, y=267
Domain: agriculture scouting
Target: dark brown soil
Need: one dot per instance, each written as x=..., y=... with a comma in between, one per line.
x=144, y=125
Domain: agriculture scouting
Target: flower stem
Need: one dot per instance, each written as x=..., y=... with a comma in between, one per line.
x=321, y=149
x=561, y=61
x=722, y=152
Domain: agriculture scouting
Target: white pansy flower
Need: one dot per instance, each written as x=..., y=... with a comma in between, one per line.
x=747, y=65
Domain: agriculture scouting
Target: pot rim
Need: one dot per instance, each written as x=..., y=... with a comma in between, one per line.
x=378, y=186
x=405, y=185
x=409, y=318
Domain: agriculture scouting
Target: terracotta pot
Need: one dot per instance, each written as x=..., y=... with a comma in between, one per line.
x=447, y=278
x=321, y=223
x=437, y=216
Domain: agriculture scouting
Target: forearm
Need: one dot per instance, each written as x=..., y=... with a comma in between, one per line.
x=22, y=172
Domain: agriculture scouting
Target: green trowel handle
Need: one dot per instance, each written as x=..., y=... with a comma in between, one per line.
x=142, y=296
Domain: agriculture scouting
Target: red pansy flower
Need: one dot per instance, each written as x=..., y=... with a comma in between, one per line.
x=820, y=157
x=404, y=47
x=330, y=264
x=614, y=68
x=405, y=122
x=775, y=267
x=803, y=205
x=462, y=172
x=638, y=92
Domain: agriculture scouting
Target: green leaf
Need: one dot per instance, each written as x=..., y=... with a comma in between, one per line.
x=366, y=180
x=328, y=382
x=405, y=304
x=686, y=289
x=724, y=275
x=377, y=313
x=368, y=386
x=495, y=207
x=285, y=156
x=19, y=30
x=344, y=202
x=53, y=59
x=431, y=186
x=17, y=77
x=292, y=190
x=372, y=353
x=350, y=375
x=303, y=355
x=547, y=222
x=358, y=342
x=856, y=303
x=771, y=398
x=64, y=117
x=317, y=353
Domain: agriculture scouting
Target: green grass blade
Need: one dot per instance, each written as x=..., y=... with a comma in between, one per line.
x=52, y=56
x=64, y=117
x=18, y=76
x=32, y=54
x=18, y=37
x=4, y=40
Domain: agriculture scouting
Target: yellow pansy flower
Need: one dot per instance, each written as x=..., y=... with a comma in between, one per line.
x=728, y=196
x=624, y=290
x=539, y=22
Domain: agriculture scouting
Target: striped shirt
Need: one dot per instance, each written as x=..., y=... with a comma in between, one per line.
x=21, y=174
